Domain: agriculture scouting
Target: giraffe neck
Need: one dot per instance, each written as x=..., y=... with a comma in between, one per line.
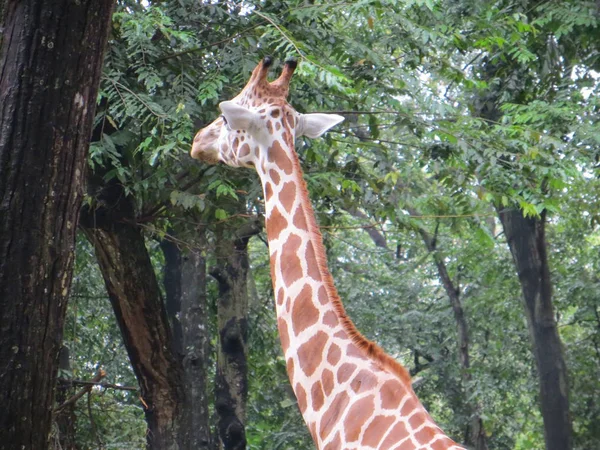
x=350, y=393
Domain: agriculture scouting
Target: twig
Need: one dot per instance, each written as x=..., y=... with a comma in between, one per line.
x=101, y=374
x=102, y=385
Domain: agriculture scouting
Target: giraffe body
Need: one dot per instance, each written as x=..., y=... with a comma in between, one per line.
x=351, y=394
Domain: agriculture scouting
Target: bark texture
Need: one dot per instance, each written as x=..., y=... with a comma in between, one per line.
x=527, y=242
x=136, y=300
x=231, y=384
x=187, y=306
x=50, y=63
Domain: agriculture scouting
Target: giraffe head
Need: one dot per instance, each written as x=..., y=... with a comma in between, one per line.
x=257, y=121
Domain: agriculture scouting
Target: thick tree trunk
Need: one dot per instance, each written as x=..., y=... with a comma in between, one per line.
x=527, y=242
x=50, y=63
x=185, y=285
x=136, y=300
x=231, y=384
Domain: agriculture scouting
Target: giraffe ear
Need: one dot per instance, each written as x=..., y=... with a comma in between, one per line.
x=237, y=117
x=315, y=124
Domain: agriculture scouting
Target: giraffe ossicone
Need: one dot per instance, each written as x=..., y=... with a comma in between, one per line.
x=351, y=394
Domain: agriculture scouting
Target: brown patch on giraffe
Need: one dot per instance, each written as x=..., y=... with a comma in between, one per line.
x=275, y=113
x=334, y=354
x=301, y=396
x=397, y=433
x=327, y=379
x=409, y=406
x=330, y=319
x=275, y=224
x=333, y=414
x=269, y=127
x=300, y=221
x=341, y=334
x=318, y=398
x=287, y=196
x=284, y=336
x=236, y=143
x=288, y=120
x=287, y=138
x=345, y=372
x=277, y=155
x=391, y=393
x=244, y=150
x=425, y=434
x=280, y=295
x=363, y=381
x=310, y=354
x=291, y=268
x=274, y=176
x=268, y=191
x=355, y=352
x=312, y=428
x=376, y=430
x=311, y=260
x=288, y=303
x=277, y=126
x=289, y=365
x=357, y=416
x=323, y=297
x=304, y=313
x=336, y=444
x=442, y=443
x=272, y=262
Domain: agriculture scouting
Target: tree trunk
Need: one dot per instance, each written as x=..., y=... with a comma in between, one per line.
x=173, y=287
x=231, y=384
x=185, y=279
x=50, y=63
x=527, y=242
x=136, y=300
x=65, y=432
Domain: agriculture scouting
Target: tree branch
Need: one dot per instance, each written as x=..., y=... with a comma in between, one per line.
x=101, y=374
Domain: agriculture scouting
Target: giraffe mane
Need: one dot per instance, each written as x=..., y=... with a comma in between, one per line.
x=372, y=350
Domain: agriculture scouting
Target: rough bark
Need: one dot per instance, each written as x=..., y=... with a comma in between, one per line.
x=49, y=75
x=231, y=384
x=527, y=242
x=185, y=278
x=135, y=296
x=173, y=287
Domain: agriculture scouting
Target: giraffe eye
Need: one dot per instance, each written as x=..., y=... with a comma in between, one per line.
x=224, y=119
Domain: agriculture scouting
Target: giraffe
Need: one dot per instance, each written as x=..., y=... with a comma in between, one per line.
x=351, y=394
